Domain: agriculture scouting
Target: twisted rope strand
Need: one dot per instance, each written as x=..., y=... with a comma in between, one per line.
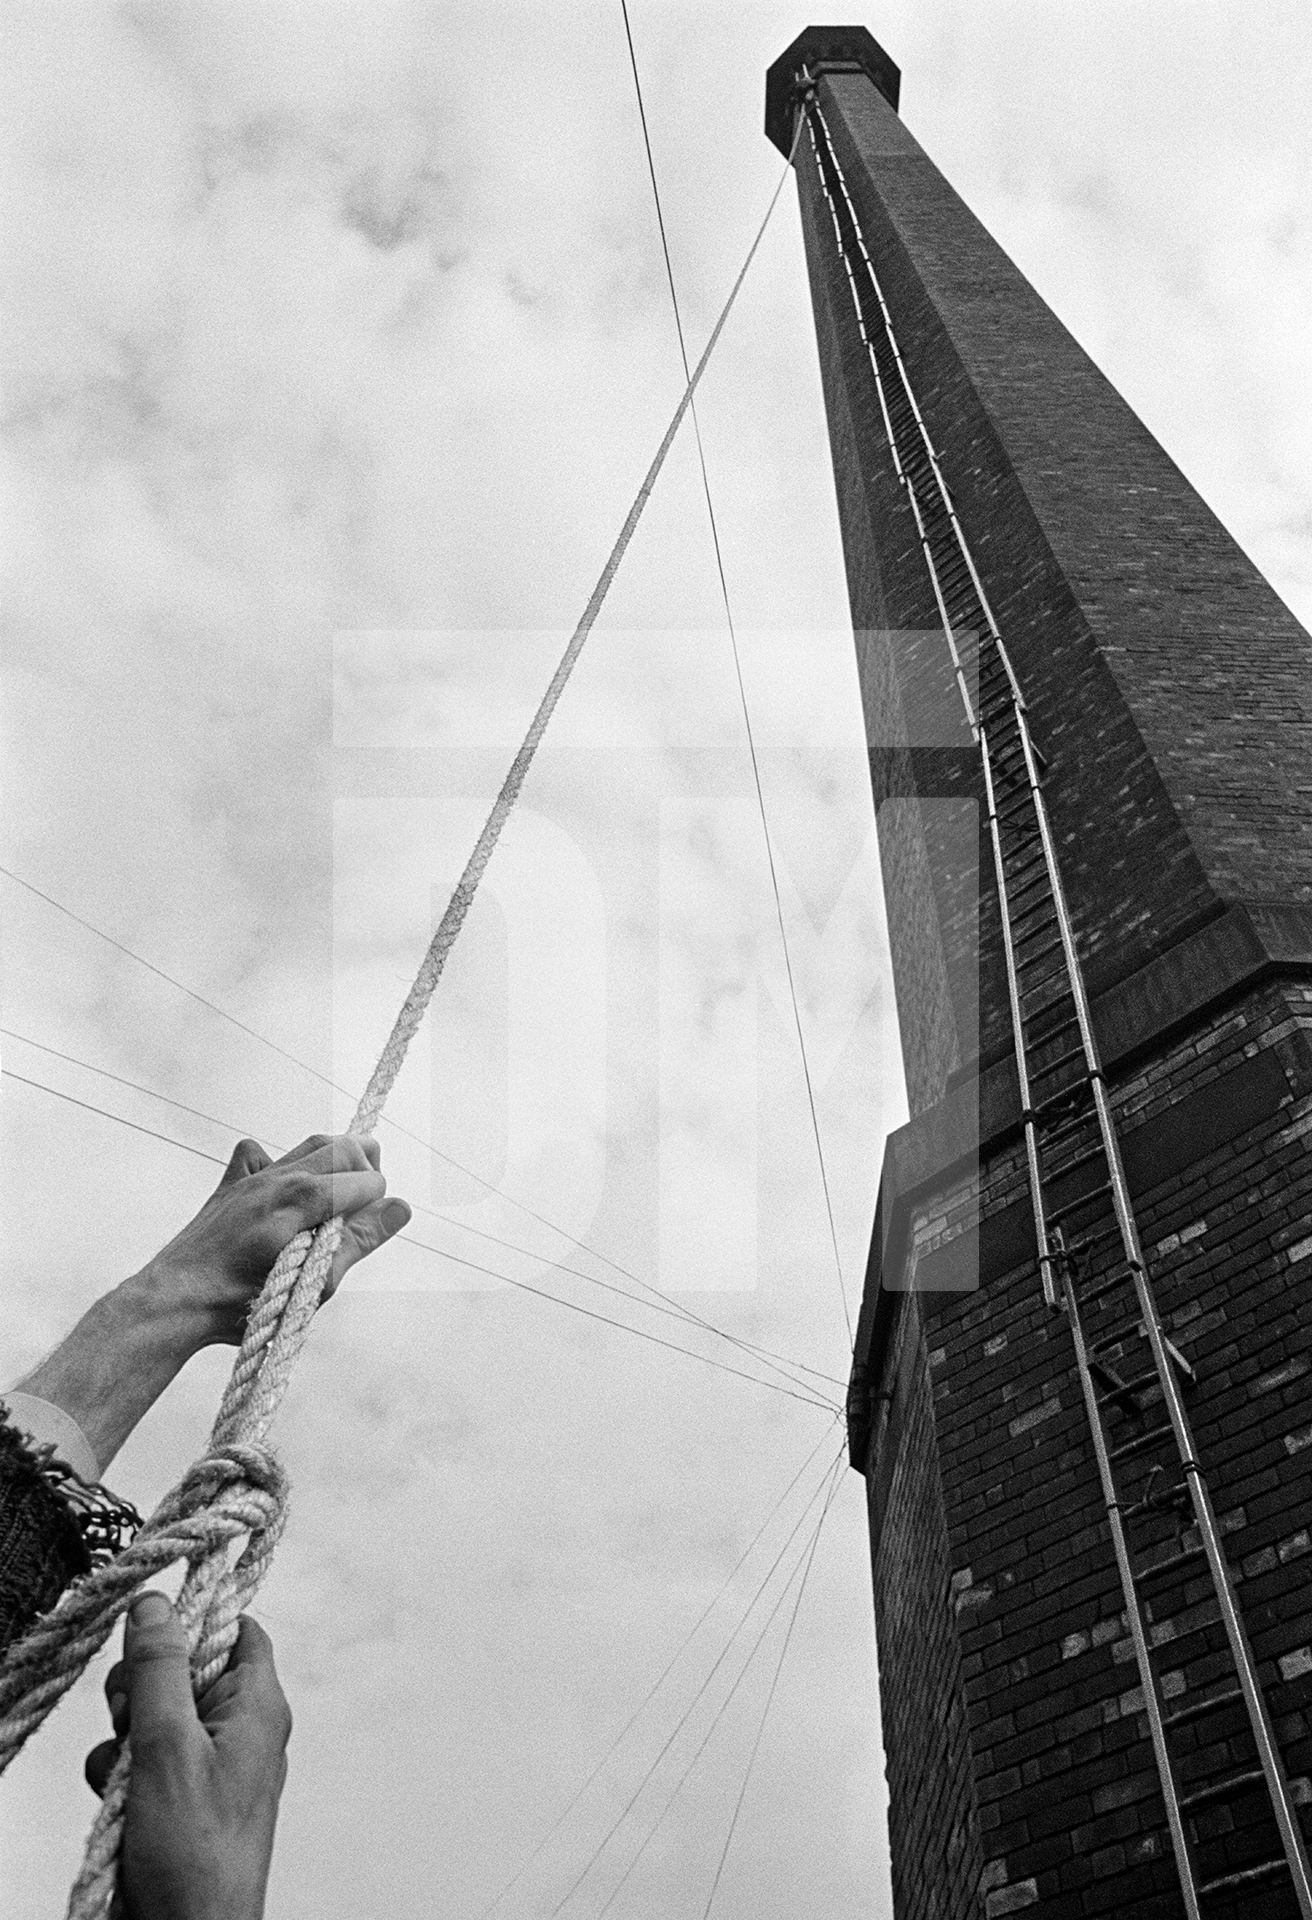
x=237, y=1489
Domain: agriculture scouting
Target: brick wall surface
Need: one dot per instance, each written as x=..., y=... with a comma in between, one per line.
x=1167, y=683
x=1171, y=693
x=933, y=1814
x=1182, y=624
x=1060, y=1769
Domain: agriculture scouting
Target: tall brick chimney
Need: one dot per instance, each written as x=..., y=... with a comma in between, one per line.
x=1082, y=1387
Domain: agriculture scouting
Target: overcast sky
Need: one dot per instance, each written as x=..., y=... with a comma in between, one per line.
x=337, y=342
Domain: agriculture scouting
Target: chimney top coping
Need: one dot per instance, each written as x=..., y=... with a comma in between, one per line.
x=850, y=49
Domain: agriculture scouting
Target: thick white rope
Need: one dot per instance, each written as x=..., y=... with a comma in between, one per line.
x=237, y=1488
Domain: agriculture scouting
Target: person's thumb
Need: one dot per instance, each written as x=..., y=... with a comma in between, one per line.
x=363, y=1233
x=158, y=1672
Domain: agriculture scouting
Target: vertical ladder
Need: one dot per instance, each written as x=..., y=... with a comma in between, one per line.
x=1090, y=1259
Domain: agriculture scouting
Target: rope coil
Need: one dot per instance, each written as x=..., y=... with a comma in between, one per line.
x=237, y=1489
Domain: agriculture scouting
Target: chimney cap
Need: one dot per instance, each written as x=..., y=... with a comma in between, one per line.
x=850, y=49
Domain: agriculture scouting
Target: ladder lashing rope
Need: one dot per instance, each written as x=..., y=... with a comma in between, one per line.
x=237, y=1488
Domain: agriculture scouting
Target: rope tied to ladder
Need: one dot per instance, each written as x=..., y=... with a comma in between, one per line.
x=237, y=1490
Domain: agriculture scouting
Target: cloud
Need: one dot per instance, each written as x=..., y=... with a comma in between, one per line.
x=350, y=322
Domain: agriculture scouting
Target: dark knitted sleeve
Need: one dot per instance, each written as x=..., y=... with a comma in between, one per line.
x=41, y=1539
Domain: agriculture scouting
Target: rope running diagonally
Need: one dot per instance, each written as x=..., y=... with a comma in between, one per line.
x=531, y=1213
x=237, y=1488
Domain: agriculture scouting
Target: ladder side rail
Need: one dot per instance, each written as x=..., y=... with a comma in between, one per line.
x=903, y=477
x=1018, y=1032
x=1159, y=1346
x=1031, y=1141
x=1209, y=1533
x=945, y=491
x=1133, y=1611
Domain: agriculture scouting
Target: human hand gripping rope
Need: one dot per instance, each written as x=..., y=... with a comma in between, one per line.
x=237, y=1490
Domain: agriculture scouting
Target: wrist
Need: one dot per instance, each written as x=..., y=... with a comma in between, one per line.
x=163, y=1314
x=118, y=1359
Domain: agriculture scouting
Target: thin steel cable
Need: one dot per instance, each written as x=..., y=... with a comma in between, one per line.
x=807, y=1398
x=134, y=1086
x=808, y=1550
x=764, y=1353
x=797, y=1015
x=721, y=1366
x=682, y=1722
x=672, y=1311
x=655, y=1687
x=150, y=967
x=237, y=1489
x=799, y=1389
x=769, y=1702
x=738, y=670
x=87, y=1107
x=416, y=1001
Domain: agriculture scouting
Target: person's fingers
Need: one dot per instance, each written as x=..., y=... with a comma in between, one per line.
x=249, y=1693
x=250, y=1666
x=332, y=1153
x=352, y=1191
x=116, y=1696
x=307, y=1199
x=248, y=1157
x=313, y=1143
x=99, y=1765
x=364, y=1233
x=252, y=1652
x=158, y=1673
